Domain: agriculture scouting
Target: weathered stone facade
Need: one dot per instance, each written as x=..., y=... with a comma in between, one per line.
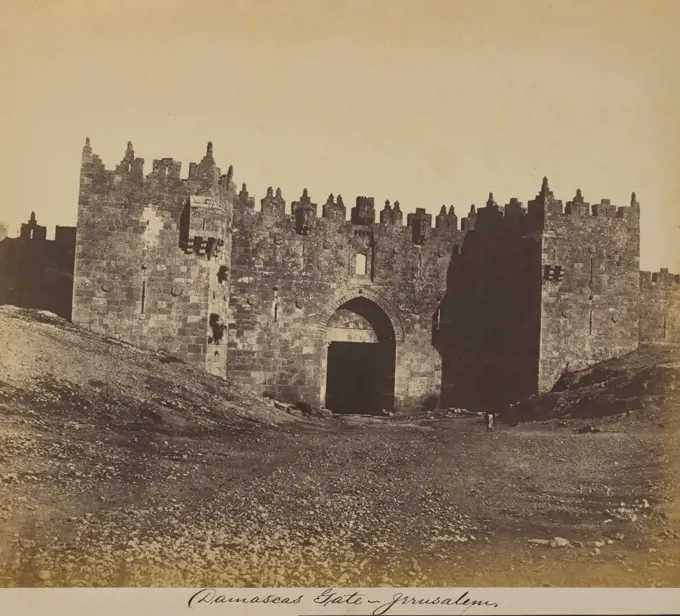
x=295, y=301
x=289, y=279
x=590, y=299
x=151, y=255
x=660, y=307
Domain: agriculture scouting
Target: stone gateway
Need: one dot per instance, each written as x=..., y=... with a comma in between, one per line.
x=304, y=303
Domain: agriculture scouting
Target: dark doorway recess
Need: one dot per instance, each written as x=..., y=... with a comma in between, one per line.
x=360, y=377
x=361, y=359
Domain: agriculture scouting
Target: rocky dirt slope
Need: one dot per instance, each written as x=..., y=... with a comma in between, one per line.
x=646, y=380
x=101, y=381
x=121, y=467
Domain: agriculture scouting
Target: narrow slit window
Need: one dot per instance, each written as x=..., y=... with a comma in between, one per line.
x=360, y=265
x=590, y=323
x=143, y=295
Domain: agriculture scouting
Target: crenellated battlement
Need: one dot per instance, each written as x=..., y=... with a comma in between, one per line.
x=306, y=218
x=244, y=200
x=604, y=209
x=363, y=213
x=205, y=176
x=391, y=215
x=334, y=209
x=34, y=236
x=128, y=175
x=546, y=205
x=662, y=278
x=32, y=231
x=541, y=211
x=205, y=179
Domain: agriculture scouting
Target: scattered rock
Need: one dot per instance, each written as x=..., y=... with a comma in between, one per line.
x=539, y=541
x=175, y=496
x=559, y=542
x=282, y=406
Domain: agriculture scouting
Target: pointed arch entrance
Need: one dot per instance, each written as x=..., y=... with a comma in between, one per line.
x=361, y=358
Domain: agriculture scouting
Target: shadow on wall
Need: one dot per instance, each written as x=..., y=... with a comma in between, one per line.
x=487, y=326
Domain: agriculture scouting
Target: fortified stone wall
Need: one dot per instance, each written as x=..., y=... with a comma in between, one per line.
x=152, y=255
x=659, y=307
x=590, y=298
x=292, y=269
x=36, y=272
x=478, y=316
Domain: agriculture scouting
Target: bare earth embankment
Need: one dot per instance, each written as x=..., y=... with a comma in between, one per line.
x=120, y=467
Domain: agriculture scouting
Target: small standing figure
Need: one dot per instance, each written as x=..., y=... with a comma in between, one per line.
x=489, y=422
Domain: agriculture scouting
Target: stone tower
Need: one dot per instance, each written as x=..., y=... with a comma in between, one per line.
x=153, y=255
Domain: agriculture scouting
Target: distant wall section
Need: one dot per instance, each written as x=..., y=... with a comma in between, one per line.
x=659, y=307
x=36, y=272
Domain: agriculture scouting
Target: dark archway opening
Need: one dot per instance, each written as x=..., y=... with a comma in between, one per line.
x=361, y=359
x=360, y=377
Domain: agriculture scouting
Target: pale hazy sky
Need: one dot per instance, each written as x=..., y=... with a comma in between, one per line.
x=427, y=102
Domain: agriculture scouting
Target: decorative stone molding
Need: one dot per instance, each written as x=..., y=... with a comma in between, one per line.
x=367, y=293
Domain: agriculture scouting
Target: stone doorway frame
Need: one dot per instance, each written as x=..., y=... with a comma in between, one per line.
x=337, y=303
